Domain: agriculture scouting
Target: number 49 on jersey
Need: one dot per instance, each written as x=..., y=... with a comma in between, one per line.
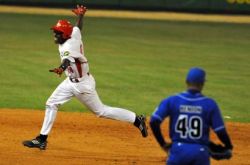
x=189, y=126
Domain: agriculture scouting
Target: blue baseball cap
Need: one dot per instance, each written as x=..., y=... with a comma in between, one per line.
x=196, y=75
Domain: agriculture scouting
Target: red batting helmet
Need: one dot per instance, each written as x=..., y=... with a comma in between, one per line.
x=65, y=27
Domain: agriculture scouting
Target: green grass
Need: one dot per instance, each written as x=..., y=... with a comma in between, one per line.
x=136, y=63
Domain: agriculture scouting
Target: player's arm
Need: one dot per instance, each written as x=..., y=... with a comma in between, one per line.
x=224, y=138
x=156, y=129
x=155, y=123
x=80, y=12
x=65, y=64
x=219, y=127
x=79, y=22
x=61, y=68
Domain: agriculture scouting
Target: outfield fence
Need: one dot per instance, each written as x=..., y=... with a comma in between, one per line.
x=227, y=6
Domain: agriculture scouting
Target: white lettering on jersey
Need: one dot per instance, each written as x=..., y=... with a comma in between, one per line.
x=190, y=109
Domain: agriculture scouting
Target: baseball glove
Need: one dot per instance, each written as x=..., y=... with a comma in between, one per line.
x=218, y=152
x=58, y=71
x=80, y=10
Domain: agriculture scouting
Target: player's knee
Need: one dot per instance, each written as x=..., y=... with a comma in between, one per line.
x=98, y=113
x=103, y=112
x=98, y=110
x=52, y=107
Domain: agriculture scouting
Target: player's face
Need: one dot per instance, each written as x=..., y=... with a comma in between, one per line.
x=58, y=37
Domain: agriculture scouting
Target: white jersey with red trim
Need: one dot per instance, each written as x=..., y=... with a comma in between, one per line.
x=73, y=50
x=80, y=84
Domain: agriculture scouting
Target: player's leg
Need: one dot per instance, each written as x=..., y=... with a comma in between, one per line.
x=93, y=102
x=178, y=154
x=202, y=155
x=174, y=156
x=85, y=92
x=171, y=163
x=62, y=94
x=189, y=154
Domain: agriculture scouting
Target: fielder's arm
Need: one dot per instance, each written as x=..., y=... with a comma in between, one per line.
x=155, y=127
x=224, y=138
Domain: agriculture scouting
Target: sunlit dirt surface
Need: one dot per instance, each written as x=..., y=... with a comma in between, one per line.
x=84, y=139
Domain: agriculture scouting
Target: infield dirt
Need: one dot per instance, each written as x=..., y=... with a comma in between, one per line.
x=84, y=139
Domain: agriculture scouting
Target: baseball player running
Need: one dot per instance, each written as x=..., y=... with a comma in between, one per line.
x=79, y=82
x=191, y=116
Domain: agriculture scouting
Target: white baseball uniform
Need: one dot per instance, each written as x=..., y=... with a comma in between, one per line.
x=81, y=84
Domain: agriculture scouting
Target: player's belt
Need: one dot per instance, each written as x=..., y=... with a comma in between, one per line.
x=76, y=80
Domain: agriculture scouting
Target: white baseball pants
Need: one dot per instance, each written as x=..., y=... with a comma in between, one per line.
x=86, y=93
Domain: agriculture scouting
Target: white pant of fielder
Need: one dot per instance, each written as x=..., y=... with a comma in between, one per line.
x=86, y=93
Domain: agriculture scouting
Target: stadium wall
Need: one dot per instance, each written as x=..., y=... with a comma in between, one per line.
x=205, y=6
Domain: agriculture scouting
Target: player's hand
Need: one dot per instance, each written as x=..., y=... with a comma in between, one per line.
x=166, y=147
x=58, y=71
x=219, y=152
x=80, y=10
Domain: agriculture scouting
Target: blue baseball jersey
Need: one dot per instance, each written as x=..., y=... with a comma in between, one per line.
x=191, y=116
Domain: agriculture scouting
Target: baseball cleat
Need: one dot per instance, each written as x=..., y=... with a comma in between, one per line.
x=142, y=125
x=35, y=143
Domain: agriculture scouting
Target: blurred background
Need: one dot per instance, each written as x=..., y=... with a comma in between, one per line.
x=205, y=6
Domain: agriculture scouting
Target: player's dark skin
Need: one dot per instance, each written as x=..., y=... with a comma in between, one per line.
x=58, y=37
x=195, y=87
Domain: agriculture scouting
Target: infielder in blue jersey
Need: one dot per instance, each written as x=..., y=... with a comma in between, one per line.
x=191, y=116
